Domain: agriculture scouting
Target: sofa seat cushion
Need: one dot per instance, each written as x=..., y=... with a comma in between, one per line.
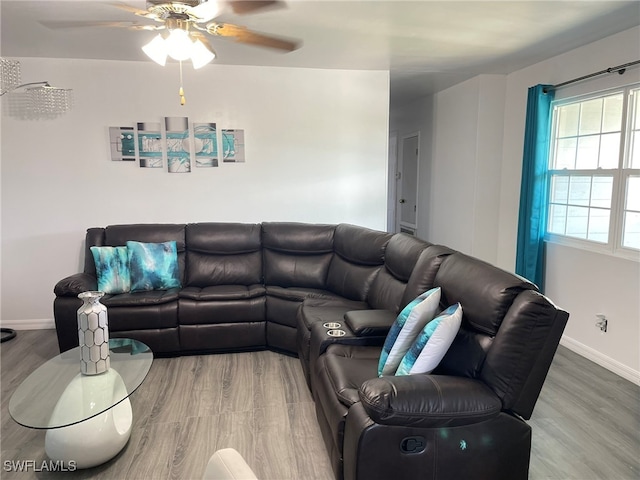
x=222, y=292
x=335, y=384
x=320, y=310
x=143, y=316
x=347, y=367
x=134, y=299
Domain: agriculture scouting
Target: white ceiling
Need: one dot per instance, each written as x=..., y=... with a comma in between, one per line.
x=426, y=45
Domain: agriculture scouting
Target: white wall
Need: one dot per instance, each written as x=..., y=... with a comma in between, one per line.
x=316, y=149
x=465, y=172
x=581, y=282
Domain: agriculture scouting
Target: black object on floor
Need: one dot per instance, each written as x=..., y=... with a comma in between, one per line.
x=7, y=334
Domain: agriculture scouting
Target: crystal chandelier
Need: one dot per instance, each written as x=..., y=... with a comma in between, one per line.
x=31, y=101
x=9, y=75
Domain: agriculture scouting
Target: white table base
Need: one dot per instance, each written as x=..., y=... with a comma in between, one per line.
x=100, y=438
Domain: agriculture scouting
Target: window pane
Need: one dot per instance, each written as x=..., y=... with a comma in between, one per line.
x=601, y=192
x=634, y=147
x=633, y=194
x=631, y=233
x=612, y=118
x=568, y=117
x=590, y=117
x=579, y=191
x=588, y=152
x=577, y=220
x=636, y=108
x=590, y=157
x=598, y=225
x=609, y=150
x=566, y=154
x=634, y=155
x=557, y=219
x=559, y=189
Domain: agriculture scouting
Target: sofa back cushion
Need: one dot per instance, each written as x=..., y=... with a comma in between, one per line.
x=297, y=254
x=424, y=272
x=223, y=254
x=358, y=255
x=486, y=294
x=93, y=238
x=388, y=287
x=119, y=235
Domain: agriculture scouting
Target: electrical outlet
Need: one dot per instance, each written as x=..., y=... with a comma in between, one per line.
x=602, y=322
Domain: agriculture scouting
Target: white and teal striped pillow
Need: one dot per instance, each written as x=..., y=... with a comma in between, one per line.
x=406, y=327
x=432, y=343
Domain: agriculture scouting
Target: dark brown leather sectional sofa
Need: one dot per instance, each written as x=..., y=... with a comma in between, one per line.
x=274, y=285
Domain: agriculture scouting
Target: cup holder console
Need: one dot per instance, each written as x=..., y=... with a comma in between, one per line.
x=336, y=333
x=332, y=325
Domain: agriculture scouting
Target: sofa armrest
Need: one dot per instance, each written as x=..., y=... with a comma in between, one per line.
x=74, y=284
x=428, y=401
x=369, y=323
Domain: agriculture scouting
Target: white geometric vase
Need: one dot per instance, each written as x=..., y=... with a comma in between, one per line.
x=93, y=334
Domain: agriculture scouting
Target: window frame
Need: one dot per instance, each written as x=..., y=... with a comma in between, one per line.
x=620, y=176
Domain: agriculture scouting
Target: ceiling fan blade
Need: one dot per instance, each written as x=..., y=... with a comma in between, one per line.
x=244, y=35
x=80, y=24
x=132, y=9
x=242, y=7
x=203, y=38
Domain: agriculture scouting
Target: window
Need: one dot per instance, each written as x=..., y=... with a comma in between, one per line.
x=594, y=172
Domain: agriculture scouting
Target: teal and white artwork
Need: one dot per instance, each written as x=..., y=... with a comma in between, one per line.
x=150, y=145
x=178, y=144
x=205, y=141
x=233, y=146
x=122, y=144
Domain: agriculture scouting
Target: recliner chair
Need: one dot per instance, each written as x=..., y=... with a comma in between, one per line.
x=466, y=420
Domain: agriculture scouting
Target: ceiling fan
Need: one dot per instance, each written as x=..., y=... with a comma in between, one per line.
x=186, y=24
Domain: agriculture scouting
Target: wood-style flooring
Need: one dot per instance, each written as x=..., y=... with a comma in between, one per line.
x=586, y=424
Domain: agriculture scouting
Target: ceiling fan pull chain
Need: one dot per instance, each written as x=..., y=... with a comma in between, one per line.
x=181, y=91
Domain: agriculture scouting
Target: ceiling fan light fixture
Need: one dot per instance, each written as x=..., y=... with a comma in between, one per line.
x=179, y=44
x=156, y=50
x=201, y=55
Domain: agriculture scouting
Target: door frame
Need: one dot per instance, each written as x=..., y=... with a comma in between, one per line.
x=392, y=180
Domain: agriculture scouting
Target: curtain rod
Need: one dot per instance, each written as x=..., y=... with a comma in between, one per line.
x=620, y=69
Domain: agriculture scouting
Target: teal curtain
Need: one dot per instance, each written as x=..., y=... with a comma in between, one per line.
x=532, y=219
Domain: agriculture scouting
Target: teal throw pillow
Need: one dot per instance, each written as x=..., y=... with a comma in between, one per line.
x=112, y=269
x=432, y=343
x=153, y=266
x=406, y=327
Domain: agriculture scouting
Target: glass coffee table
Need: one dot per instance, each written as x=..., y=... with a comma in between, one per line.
x=87, y=417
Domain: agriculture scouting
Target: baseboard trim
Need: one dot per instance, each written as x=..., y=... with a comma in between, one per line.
x=604, y=361
x=34, y=324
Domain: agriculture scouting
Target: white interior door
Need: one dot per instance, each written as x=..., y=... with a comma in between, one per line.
x=408, y=184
